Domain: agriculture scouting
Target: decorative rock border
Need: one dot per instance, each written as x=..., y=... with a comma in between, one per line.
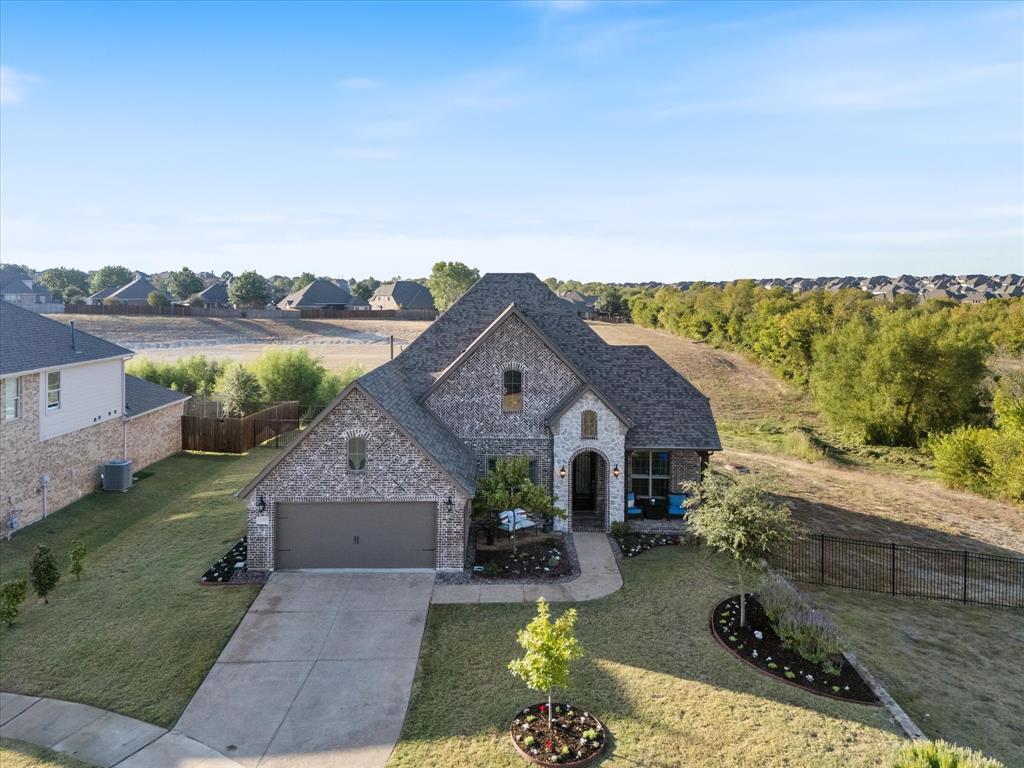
x=575, y=763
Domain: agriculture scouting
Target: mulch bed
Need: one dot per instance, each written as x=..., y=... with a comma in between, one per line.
x=576, y=737
x=758, y=645
x=536, y=558
x=634, y=544
x=231, y=567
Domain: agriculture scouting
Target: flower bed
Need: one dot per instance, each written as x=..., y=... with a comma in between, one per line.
x=543, y=558
x=759, y=645
x=633, y=544
x=229, y=567
x=575, y=737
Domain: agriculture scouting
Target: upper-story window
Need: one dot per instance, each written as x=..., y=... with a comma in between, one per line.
x=357, y=453
x=588, y=424
x=512, y=391
x=12, y=399
x=53, y=390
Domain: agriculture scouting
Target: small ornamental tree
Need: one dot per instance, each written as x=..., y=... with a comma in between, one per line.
x=77, y=557
x=739, y=519
x=43, y=571
x=920, y=753
x=12, y=594
x=549, y=647
x=508, y=486
x=240, y=391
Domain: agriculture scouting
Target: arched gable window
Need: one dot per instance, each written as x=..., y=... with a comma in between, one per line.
x=588, y=424
x=357, y=452
x=512, y=390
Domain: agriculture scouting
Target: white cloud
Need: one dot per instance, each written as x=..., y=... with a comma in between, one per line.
x=358, y=84
x=14, y=85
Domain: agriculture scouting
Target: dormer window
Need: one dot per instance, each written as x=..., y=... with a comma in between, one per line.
x=512, y=391
x=357, y=453
x=588, y=424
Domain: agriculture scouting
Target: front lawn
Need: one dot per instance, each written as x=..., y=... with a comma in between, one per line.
x=667, y=692
x=139, y=632
x=18, y=754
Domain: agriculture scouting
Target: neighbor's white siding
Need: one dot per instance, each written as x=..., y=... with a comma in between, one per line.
x=89, y=394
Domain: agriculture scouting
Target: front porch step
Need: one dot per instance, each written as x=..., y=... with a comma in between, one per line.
x=587, y=523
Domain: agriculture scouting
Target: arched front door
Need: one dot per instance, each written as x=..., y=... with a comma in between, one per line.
x=588, y=492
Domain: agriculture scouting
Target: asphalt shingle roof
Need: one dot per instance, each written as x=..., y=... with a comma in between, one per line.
x=407, y=294
x=141, y=396
x=214, y=294
x=23, y=286
x=320, y=293
x=137, y=289
x=29, y=341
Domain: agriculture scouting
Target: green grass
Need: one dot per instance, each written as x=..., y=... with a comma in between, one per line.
x=139, y=632
x=955, y=669
x=18, y=754
x=668, y=693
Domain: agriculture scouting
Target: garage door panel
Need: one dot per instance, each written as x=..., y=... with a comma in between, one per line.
x=355, y=535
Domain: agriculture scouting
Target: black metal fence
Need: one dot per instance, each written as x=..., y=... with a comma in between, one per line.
x=902, y=569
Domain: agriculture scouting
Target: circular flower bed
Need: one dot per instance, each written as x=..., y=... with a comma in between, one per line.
x=759, y=645
x=576, y=737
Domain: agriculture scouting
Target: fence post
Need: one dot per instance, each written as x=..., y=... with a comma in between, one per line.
x=821, y=558
x=892, y=565
x=965, y=577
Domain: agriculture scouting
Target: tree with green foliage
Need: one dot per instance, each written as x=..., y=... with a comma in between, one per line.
x=449, y=280
x=548, y=647
x=610, y=301
x=77, y=558
x=302, y=281
x=195, y=375
x=15, y=272
x=184, y=283
x=73, y=295
x=110, y=277
x=59, y=280
x=739, y=519
x=296, y=375
x=364, y=288
x=921, y=753
x=12, y=595
x=249, y=289
x=157, y=299
x=240, y=391
x=509, y=486
x=43, y=571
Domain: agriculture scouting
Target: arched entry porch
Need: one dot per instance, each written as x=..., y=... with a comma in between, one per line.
x=588, y=491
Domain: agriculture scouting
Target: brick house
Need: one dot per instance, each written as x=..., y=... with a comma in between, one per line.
x=384, y=476
x=402, y=294
x=68, y=407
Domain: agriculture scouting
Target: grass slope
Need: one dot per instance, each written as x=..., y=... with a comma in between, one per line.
x=668, y=693
x=139, y=632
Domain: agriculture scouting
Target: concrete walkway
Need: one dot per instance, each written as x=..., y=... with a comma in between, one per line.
x=318, y=673
x=99, y=737
x=599, y=576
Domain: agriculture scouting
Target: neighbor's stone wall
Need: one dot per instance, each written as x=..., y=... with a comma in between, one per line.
x=72, y=461
x=316, y=470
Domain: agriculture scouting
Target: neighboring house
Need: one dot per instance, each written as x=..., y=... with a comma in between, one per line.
x=322, y=294
x=100, y=295
x=402, y=294
x=25, y=292
x=215, y=295
x=585, y=306
x=68, y=407
x=383, y=477
x=135, y=292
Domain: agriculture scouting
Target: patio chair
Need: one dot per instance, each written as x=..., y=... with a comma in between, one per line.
x=677, y=505
x=516, y=518
x=632, y=510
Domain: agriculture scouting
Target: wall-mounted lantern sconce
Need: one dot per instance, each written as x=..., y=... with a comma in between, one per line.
x=561, y=472
x=261, y=505
x=449, y=504
x=615, y=471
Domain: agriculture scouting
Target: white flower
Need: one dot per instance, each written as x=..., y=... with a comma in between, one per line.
x=758, y=634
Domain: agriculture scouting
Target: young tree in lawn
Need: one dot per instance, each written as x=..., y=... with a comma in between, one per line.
x=249, y=289
x=12, y=595
x=508, y=486
x=77, y=558
x=449, y=280
x=739, y=519
x=43, y=571
x=184, y=283
x=549, y=647
x=111, y=276
x=240, y=391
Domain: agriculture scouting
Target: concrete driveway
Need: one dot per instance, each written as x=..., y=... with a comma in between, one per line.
x=318, y=673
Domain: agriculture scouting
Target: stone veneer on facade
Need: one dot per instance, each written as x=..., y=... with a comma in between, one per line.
x=316, y=470
x=72, y=461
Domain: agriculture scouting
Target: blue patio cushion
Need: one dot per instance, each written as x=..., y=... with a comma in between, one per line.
x=632, y=510
x=677, y=504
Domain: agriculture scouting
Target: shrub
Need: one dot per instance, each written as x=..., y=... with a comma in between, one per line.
x=43, y=571
x=12, y=594
x=77, y=557
x=240, y=392
x=777, y=596
x=939, y=754
x=812, y=634
x=620, y=529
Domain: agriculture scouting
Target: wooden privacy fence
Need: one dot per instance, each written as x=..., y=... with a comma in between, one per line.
x=368, y=314
x=175, y=310
x=902, y=569
x=231, y=434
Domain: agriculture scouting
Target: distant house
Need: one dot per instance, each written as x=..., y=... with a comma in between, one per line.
x=402, y=294
x=585, y=306
x=68, y=408
x=100, y=295
x=322, y=294
x=25, y=292
x=136, y=292
x=215, y=295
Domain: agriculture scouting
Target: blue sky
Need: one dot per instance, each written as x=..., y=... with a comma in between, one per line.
x=606, y=141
